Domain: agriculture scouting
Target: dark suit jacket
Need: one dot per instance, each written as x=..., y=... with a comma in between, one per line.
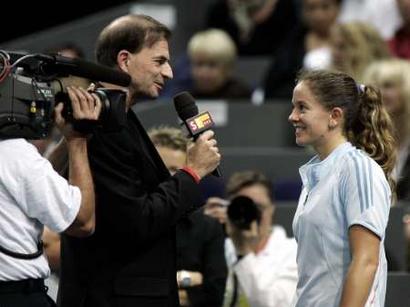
x=201, y=248
x=130, y=259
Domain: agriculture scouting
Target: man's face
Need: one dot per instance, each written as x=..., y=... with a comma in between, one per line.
x=149, y=69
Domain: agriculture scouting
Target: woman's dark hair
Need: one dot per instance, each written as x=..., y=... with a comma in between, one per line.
x=367, y=124
x=131, y=33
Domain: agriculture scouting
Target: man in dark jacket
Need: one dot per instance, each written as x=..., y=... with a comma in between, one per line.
x=130, y=260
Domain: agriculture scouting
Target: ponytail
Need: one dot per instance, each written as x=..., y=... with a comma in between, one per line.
x=372, y=131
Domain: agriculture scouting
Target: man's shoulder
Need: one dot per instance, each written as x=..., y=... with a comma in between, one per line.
x=16, y=149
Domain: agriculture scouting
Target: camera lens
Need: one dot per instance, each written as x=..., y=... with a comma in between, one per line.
x=242, y=212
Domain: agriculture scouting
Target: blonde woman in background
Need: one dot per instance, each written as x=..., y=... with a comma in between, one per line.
x=354, y=46
x=213, y=55
x=393, y=79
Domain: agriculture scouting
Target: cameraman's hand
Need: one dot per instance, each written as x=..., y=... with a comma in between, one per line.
x=203, y=156
x=85, y=105
x=245, y=241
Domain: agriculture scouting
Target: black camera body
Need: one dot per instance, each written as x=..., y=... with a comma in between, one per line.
x=26, y=107
x=30, y=87
x=242, y=211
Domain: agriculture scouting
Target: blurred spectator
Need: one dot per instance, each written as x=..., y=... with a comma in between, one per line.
x=262, y=260
x=258, y=27
x=213, y=54
x=354, y=46
x=400, y=43
x=381, y=14
x=393, y=79
x=308, y=46
x=201, y=265
x=207, y=71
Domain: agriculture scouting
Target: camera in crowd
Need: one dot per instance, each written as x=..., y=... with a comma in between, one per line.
x=242, y=211
x=31, y=85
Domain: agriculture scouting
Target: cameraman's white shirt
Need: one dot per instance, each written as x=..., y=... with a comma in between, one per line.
x=32, y=194
x=269, y=278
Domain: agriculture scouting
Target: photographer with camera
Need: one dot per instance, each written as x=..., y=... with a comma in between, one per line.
x=261, y=258
x=130, y=260
x=33, y=195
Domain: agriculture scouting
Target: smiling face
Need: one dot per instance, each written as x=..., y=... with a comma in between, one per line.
x=149, y=69
x=310, y=118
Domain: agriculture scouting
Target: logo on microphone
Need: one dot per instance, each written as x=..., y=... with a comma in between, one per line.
x=199, y=123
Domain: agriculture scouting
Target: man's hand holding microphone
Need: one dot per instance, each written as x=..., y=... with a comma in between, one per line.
x=203, y=155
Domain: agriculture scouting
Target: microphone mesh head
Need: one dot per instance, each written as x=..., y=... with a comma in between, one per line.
x=185, y=105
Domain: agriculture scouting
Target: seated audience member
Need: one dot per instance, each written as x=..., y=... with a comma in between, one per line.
x=308, y=46
x=257, y=26
x=201, y=264
x=212, y=55
x=207, y=70
x=400, y=43
x=355, y=45
x=393, y=79
x=262, y=260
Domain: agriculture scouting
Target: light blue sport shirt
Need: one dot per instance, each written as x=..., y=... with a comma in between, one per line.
x=346, y=188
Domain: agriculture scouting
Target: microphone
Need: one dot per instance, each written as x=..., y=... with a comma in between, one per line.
x=60, y=65
x=195, y=123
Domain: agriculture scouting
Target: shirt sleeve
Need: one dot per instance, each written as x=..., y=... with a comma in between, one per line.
x=365, y=193
x=43, y=194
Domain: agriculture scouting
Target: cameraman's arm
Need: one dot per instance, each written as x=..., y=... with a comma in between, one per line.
x=80, y=176
x=59, y=157
x=85, y=106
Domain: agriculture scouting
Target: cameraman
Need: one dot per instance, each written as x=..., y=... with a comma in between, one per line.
x=262, y=260
x=32, y=195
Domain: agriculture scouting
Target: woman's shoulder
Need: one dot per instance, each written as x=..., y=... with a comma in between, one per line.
x=357, y=161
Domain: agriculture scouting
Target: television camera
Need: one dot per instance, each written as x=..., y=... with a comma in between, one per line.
x=30, y=86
